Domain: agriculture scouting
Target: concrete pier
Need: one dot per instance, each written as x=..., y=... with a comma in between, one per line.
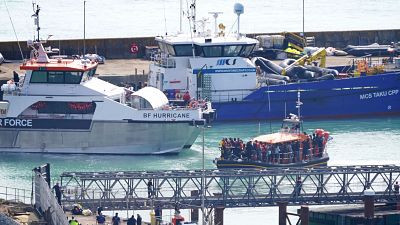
x=119, y=48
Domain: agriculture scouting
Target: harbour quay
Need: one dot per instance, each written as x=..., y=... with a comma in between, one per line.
x=120, y=48
x=369, y=189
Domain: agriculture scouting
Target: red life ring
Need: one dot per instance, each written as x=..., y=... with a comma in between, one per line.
x=134, y=48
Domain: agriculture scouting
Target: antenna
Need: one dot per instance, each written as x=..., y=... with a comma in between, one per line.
x=215, y=15
x=193, y=14
x=84, y=27
x=36, y=18
x=238, y=9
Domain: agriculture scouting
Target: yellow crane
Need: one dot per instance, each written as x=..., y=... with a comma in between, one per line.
x=320, y=54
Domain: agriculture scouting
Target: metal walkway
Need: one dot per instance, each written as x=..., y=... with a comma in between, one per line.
x=229, y=188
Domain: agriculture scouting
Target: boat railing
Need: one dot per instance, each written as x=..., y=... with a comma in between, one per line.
x=16, y=194
x=229, y=95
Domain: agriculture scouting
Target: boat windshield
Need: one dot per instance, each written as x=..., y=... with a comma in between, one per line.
x=291, y=126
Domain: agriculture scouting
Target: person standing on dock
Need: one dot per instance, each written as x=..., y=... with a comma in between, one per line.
x=158, y=215
x=138, y=220
x=57, y=190
x=298, y=187
x=396, y=188
x=131, y=221
x=149, y=189
x=116, y=220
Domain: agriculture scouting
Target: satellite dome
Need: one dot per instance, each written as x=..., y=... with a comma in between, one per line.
x=238, y=8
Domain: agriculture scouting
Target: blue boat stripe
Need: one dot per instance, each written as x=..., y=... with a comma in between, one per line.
x=227, y=70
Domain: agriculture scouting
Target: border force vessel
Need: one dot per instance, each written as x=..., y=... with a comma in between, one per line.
x=60, y=106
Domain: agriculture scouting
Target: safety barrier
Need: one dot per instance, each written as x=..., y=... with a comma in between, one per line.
x=16, y=194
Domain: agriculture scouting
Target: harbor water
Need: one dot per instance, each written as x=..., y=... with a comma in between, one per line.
x=363, y=141
x=140, y=18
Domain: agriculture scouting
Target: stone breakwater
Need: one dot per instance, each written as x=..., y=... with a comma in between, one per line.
x=120, y=48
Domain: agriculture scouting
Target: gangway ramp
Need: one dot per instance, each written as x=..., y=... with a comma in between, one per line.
x=229, y=188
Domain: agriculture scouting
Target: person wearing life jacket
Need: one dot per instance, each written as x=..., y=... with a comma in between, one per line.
x=73, y=221
x=186, y=97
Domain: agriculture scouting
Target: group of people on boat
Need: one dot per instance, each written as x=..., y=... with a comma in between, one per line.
x=276, y=153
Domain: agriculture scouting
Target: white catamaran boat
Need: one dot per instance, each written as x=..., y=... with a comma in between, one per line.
x=59, y=106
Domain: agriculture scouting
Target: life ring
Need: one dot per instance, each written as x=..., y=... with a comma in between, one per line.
x=193, y=104
x=134, y=48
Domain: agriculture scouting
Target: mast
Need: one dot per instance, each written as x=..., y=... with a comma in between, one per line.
x=298, y=104
x=36, y=19
x=193, y=15
x=84, y=28
x=180, y=16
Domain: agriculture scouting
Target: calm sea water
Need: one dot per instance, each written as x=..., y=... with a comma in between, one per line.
x=355, y=142
x=131, y=18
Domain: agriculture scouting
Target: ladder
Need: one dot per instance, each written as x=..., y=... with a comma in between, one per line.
x=206, y=89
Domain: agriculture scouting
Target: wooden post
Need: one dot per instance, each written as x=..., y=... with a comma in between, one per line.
x=282, y=212
x=219, y=216
x=304, y=215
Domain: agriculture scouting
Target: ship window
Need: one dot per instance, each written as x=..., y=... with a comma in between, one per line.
x=212, y=51
x=73, y=77
x=56, y=77
x=232, y=50
x=162, y=47
x=39, y=77
x=247, y=50
x=171, y=50
x=183, y=50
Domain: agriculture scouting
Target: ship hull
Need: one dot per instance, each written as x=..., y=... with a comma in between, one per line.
x=103, y=137
x=364, y=96
x=235, y=164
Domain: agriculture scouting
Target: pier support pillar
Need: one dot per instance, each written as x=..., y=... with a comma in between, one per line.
x=369, y=208
x=219, y=216
x=194, y=213
x=282, y=212
x=304, y=215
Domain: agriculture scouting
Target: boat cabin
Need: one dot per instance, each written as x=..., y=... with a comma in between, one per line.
x=203, y=65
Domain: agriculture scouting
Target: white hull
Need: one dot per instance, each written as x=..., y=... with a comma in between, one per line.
x=103, y=138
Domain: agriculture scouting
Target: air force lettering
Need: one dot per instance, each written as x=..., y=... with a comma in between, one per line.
x=15, y=123
x=166, y=115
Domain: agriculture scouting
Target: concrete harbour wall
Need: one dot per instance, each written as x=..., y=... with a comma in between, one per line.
x=119, y=48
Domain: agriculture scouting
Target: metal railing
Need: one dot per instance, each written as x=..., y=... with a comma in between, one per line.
x=231, y=188
x=16, y=194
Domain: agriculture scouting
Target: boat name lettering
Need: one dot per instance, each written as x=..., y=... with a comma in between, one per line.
x=11, y=122
x=166, y=115
x=379, y=94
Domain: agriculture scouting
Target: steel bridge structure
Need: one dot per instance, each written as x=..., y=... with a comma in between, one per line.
x=130, y=190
